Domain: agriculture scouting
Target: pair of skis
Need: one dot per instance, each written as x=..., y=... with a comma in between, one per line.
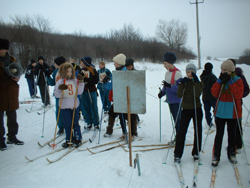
x=181, y=179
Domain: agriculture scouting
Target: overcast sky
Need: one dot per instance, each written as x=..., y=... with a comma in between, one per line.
x=224, y=24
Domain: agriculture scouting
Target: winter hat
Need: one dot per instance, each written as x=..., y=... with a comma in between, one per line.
x=120, y=59
x=40, y=57
x=169, y=57
x=129, y=62
x=208, y=66
x=59, y=60
x=64, y=68
x=191, y=67
x=4, y=44
x=87, y=61
x=228, y=65
x=32, y=61
x=238, y=71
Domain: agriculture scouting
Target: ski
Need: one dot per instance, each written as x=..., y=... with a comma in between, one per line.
x=178, y=166
x=28, y=102
x=65, y=154
x=40, y=156
x=44, y=111
x=212, y=183
x=107, y=149
x=196, y=165
x=94, y=135
x=48, y=142
x=237, y=174
x=33, y=110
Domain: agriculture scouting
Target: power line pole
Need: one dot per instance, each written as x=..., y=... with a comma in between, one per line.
x=198, y=33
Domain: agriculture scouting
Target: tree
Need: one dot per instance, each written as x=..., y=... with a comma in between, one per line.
x=245, y=58
x=172, y=33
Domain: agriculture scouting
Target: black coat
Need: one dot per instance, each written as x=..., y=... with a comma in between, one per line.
x=30, y=72
x=41, y=71
x=208, y=79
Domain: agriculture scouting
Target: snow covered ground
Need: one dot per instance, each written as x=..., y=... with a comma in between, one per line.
x=111, y=169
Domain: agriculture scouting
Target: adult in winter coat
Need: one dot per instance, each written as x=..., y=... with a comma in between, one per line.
x=9, y=98
x=208, y=79
x=30, y=77
x=104, y=75
x=239, y=132
x=52, y=82
x=70, y=102
x=229, y=91
x=89, y=96
x=170, y=86
x=42, y=70
x=189, y=89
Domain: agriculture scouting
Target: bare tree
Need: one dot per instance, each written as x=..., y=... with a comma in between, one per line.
x=172, y=33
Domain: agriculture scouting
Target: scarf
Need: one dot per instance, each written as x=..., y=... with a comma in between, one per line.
x=226, y=84
x=173, y=74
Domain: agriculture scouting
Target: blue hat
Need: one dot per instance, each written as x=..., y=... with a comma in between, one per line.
x=87, y=61
x=169, y=57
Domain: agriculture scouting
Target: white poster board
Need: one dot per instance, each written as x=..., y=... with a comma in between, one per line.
x=137, y=86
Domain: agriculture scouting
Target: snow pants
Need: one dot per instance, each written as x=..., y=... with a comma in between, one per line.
x=207, y=108
x=174, y=111
x=106, y=104
x=31, y=85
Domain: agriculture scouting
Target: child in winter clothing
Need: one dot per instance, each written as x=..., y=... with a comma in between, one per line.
x=208, y=79
x=52, y=82
x=104, y=75
x=170, y=86
x=189, y=89
x=70, y=102
x=30, y=77
x=89, y=96
x=229, y=91
x=239, y=132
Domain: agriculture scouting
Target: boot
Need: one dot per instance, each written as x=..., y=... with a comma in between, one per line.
x=15, y=141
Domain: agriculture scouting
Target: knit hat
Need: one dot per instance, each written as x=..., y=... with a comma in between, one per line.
x=228, y=65
x=87, y=61
x=191, y=67
x=120, y=59
x=40, y=57
x=169, y=57
x=129, y=62
x=32, y=61
x=59, y=60
x=208, y=66
x=4, y=44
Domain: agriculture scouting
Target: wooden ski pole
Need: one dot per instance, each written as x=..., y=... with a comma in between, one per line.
x=57, y=119
x=73, y=118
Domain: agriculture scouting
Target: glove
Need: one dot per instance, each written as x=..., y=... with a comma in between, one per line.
x=222, y=76
x=159, y=95
x=165, y=84
x=226, y=79
x=196, y=79
x=62, y=87
x=183, y=80
x=80, y=78
x=107, y=73
x=106, y=79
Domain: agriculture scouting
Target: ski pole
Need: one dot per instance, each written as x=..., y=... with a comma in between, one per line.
x=45, y=89
x=240, y=129
x=73, y=118
x=160, y=114
x=102, y=115
x=57, y=119
x=216, y=106
x=196, y=125
x=247, y=117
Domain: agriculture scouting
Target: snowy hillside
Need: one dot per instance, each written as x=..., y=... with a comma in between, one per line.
x=110, y=169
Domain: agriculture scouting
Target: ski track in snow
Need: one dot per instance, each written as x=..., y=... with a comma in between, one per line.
x=111, y=168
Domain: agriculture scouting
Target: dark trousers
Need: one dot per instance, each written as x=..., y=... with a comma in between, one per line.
x=11, y=124
x=44, y=94
x=174, y=111
x=31, y=84
x=186, y=116
x=220, y=127
x=207, y=107
x=239, y=134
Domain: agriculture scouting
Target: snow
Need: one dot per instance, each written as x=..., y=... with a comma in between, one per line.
x=111, y=169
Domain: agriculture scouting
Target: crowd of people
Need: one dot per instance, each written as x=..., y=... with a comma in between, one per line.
x=76, y=91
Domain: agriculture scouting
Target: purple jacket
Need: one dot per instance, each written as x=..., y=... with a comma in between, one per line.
x=68, y=99
x=239, y=72
x=171, y=93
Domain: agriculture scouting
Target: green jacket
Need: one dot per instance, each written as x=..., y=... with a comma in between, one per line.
x=188, y=95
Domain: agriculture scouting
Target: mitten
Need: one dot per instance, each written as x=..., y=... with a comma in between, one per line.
x=159, y=95
x=183, y=80
x=196, y=79
x=106, y=79
x=226, y=79
x=165, y=84
x=222, y=76
x=62, y=87
x=80, y=78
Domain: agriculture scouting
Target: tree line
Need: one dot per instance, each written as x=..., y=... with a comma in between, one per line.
x=33, y=36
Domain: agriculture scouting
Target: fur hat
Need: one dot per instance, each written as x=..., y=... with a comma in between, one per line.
x=40, y=57
x=63, y=70
x=59, y=60
x=4, y=44
x=129, y=62
x=191, y=67
x=169, y=57
x=120, y=59
x=208, y=66
x=228, y=65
